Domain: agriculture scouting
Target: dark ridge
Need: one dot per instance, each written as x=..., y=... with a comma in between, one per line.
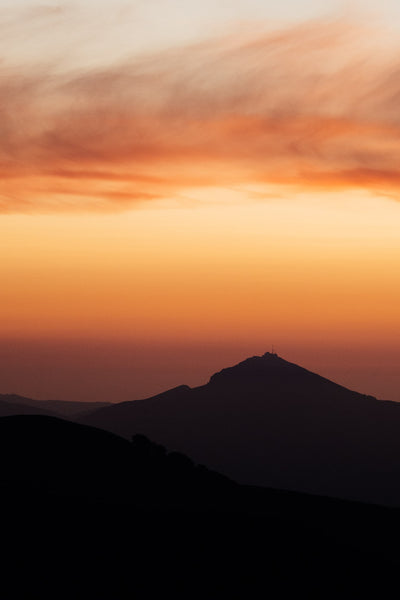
x=123, y=409
x=68, y=408
x=16, y=398
x=13, y=405
x=62, y=408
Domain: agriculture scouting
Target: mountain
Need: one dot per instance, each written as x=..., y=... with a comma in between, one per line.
x=12, y=404
x=266, y=421
x=87, y=514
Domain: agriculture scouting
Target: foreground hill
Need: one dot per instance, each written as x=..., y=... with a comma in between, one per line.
x=87, y=514
x=269, y=422
x=63, y=458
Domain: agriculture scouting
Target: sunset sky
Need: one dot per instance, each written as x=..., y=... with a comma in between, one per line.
x=185, y=184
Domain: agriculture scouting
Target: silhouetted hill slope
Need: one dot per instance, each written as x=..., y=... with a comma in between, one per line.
x=90, y=515
x=269, y=422
x=61, y=457
x=62, y=408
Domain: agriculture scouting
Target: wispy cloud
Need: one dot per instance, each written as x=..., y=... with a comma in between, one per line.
x=315, y=106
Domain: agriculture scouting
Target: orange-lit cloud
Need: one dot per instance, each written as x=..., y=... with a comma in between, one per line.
x=314, y=106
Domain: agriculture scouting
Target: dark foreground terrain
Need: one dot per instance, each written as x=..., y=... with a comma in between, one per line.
x=86, y=514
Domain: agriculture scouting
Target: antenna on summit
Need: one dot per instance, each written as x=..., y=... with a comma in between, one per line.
x=272, y=349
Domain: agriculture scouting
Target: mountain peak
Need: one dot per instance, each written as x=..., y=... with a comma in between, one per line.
x=255, y=367
x=270, y=355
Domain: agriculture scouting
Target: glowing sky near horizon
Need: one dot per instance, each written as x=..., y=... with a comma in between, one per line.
x=216, y=177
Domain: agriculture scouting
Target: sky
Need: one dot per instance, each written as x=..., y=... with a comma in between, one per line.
x=185, y=184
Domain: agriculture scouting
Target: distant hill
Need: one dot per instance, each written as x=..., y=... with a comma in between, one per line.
x=269, y=422
x=64, y=408
x=11, y=404
x=69, y=408
x=87, y=514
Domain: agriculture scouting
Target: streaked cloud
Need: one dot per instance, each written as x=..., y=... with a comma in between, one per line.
x=314, y=107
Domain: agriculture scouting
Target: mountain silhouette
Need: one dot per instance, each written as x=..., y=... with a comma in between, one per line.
x=268, y=422
x=87, y=514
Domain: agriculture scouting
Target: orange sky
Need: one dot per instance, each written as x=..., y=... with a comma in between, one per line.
x=222, y=195
x=311, y=272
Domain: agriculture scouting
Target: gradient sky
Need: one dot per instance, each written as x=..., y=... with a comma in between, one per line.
x=186, y=184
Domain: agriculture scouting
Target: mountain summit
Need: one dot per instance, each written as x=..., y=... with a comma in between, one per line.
x=266, y=421
x=271, y=371
x=254, y=367
x=272, y=377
